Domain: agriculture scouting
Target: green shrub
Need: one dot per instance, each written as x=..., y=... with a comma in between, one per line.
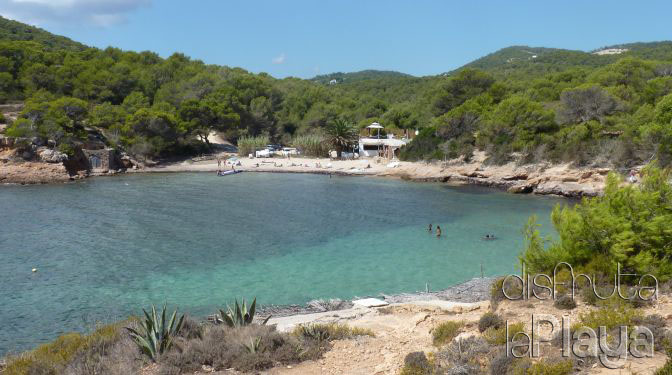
x=466, y=356
x=53, y=357
x=248, y=145
x=446, y=332
x=627, y=225
x=657, y=325
x=247, y=348
x=331, y=331
x=489, y=319
x=315, y=332
x=423, y=147
x=506, y=364
x=311, y=145
x=590, y=298
x=497, y=336
x=565, y=302
x=512, y=287
x=610, y=317
x=416, y=363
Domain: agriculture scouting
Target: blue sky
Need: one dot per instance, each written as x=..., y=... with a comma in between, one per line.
x=305, y=38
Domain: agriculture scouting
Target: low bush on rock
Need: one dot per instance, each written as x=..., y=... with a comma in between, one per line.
x=331, y=331
x=497, y=336
x=610, y=317
x=662, y=337
x=107, y=348
x=446, y=332
x=501, y=363
x=511, y=286
x=489, y=319
x=468, y=356
x=565, y=302
x=416, y=363
x=246, y=348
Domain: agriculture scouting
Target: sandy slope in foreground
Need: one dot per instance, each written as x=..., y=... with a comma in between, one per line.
x=406, y=327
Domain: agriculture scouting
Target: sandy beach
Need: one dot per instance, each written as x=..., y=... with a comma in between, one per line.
x=555, y=179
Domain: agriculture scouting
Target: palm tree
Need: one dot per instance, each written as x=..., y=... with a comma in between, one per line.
x=341, y=135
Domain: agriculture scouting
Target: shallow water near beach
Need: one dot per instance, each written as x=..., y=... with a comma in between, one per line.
x=106, y=247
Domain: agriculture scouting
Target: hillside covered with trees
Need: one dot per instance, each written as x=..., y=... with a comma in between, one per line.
x=560, y=105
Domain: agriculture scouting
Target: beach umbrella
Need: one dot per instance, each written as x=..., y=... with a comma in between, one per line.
x=376, y=126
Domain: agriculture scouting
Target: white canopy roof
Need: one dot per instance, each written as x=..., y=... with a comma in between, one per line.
x=375, y=125
x=382, y=142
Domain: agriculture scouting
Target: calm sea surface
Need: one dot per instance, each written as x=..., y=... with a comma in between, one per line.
x=107, y=247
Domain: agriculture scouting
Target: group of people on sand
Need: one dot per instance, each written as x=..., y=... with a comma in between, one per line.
x=219, y=167
x=438, y=233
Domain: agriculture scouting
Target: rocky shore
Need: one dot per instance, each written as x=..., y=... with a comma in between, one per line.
x=544, y=178
x=470, y=291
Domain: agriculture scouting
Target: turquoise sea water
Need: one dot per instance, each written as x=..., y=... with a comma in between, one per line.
x=107, y=247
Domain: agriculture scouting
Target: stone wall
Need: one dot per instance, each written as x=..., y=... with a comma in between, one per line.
x=100, y=161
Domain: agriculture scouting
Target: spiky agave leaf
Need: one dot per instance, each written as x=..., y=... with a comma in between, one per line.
x=239, y=315
x=156, y=333
x=250, y=314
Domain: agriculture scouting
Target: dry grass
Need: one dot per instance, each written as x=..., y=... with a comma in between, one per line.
x=248, y=348
x=332, y=331
x=77, y=353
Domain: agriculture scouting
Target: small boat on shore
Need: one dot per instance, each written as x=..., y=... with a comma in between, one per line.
x=229, y=172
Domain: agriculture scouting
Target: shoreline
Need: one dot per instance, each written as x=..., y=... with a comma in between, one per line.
x=470, y=291
x=540, y=179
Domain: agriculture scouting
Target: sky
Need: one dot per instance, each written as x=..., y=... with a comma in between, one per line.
x=304, y=38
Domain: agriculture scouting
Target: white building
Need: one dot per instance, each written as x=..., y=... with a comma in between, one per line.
x=373, y=146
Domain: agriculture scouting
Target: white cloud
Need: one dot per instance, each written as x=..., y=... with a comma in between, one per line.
x=279, y=59
x=96, y=12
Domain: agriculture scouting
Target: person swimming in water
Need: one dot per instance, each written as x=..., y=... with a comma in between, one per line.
x=489, y=237
x=430, y=228
x=438, y=231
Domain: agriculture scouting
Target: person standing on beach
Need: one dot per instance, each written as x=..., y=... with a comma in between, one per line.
x=438, y=231
x=219, y=163
x=430, y=228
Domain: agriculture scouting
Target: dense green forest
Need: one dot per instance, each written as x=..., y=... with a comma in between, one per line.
x=531, y=104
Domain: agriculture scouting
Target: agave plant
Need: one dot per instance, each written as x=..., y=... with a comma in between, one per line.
x=155, y=335
x=239, y=315
x=316, y=332
x=254, y=345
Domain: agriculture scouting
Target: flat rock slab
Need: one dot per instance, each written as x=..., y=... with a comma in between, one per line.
x=370, y=302
x=457, y=307
x=288, y=323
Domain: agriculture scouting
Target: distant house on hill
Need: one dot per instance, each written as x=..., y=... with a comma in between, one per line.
x=333, y=82
x=610, y=51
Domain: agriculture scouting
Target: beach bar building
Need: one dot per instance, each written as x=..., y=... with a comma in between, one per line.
x=373, y=145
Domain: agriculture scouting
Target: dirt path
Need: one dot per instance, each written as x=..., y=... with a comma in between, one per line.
x=399, y=329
